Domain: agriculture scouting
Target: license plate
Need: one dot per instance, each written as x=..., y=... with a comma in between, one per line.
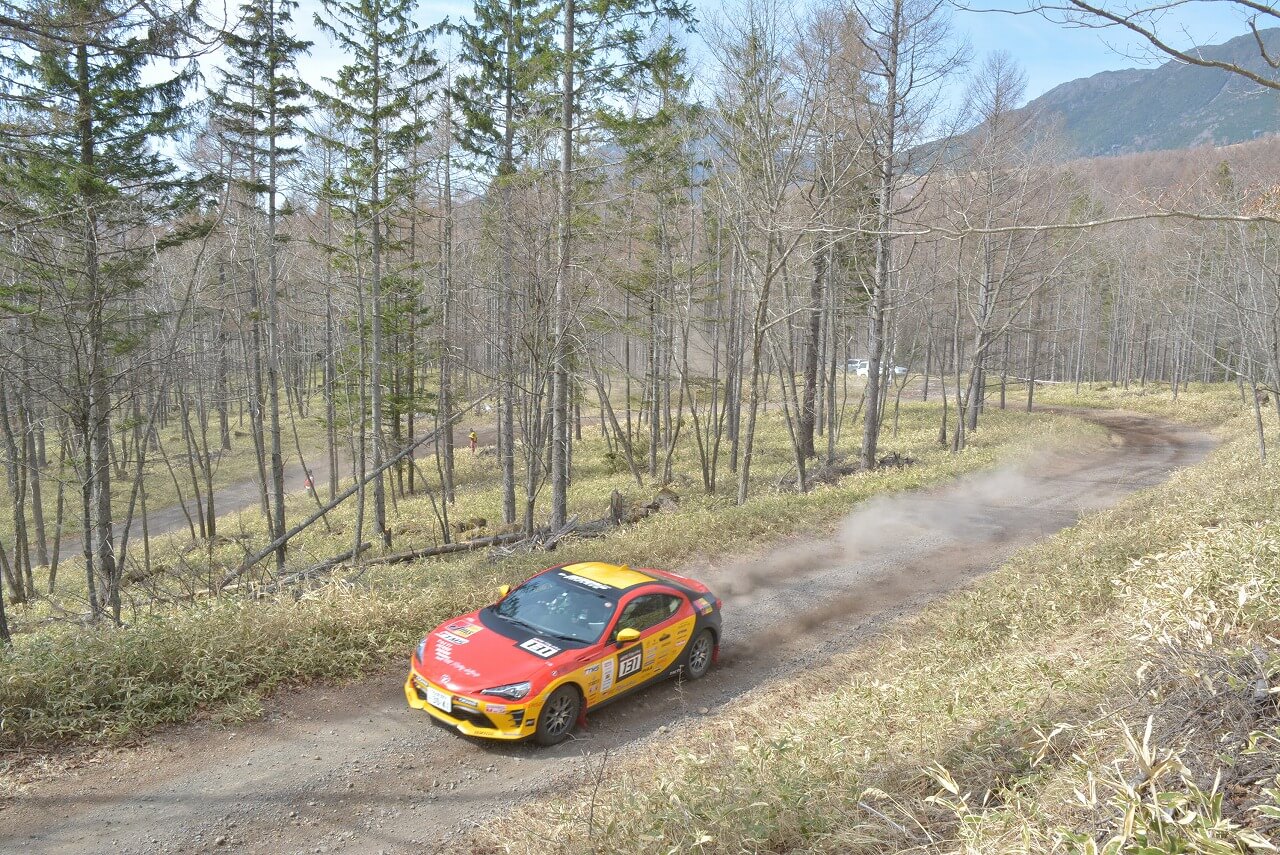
x=438, y=699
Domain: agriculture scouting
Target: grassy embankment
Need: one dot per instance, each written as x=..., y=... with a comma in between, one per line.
x=1110, y=690
x=220, y=656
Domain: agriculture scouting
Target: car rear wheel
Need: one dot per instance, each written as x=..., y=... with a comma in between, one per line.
x=559, y=714
x=698, y=655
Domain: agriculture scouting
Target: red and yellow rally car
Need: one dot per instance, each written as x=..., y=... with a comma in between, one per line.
x=568, y=640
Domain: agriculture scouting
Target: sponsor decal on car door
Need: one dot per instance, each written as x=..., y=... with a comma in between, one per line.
x=607, y=671
x=668, y=642
x=666, y=637
x=631, y=661
x=614, y=673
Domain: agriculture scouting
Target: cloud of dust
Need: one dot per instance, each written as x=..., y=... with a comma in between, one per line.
x=968, y=511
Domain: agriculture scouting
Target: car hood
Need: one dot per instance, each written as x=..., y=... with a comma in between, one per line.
x=466, y=655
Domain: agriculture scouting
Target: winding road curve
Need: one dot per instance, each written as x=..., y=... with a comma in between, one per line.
x=353, y=769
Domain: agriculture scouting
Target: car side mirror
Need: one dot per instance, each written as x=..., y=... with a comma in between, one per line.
x=626, y=636
x=503, y=591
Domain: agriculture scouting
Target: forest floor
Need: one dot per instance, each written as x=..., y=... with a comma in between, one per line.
x=237, y=497
x=168, y=485
x=351, y=768
x=243, y=495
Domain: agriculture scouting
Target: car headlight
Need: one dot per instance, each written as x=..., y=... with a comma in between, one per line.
x=422, y=650
x=511, y=691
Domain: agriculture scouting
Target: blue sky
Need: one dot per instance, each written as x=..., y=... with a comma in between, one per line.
x=1049, y=52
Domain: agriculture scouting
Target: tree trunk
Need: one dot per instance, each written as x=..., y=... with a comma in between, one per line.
x=98, y=405
x=757, y=347
x=812, y=341
x=446, y=310
x=273, y=326
x=887, y=167
x=560, y=310
x=375, y=371
x=21, y=562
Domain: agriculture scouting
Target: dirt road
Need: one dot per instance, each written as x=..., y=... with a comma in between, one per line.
x=353, y=769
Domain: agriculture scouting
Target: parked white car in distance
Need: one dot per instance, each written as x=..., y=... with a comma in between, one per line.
x=860, y=368
x=856, y=366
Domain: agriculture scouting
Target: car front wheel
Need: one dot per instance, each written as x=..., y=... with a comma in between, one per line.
x=559, y=714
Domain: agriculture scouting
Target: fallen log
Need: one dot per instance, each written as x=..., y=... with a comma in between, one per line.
x=595, y=528
x=448, y=548
x=896, y=460
x=549, y=542
x=253, y=559
x=314, y=570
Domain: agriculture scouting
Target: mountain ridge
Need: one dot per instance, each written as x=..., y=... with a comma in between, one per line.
x=1172, y=106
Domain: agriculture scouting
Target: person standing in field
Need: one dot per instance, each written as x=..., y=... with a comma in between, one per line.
x=472, y=437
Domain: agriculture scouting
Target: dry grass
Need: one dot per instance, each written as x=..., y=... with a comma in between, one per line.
x=1012, y=717
x=1201, y=404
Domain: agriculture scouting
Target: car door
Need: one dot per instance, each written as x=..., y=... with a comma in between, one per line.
x=653, y=615
x=667, y=639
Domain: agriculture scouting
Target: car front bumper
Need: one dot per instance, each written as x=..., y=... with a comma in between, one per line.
x=474, y=716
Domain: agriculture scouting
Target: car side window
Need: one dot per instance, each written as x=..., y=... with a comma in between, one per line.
x=646, y=611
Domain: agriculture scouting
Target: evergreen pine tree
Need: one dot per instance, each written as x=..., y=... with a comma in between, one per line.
x=605, y=43
x=85, y=158
x=509, y=50
x=389, y=62
x=257, y=109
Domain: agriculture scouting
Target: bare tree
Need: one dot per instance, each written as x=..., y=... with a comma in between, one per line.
x=909, y=53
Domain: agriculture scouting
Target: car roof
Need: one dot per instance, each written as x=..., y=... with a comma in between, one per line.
x=618, y=576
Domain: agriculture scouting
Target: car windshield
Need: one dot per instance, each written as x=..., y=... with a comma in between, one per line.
x=548, y=605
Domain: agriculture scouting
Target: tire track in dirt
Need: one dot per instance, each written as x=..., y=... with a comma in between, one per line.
x=353, y=769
